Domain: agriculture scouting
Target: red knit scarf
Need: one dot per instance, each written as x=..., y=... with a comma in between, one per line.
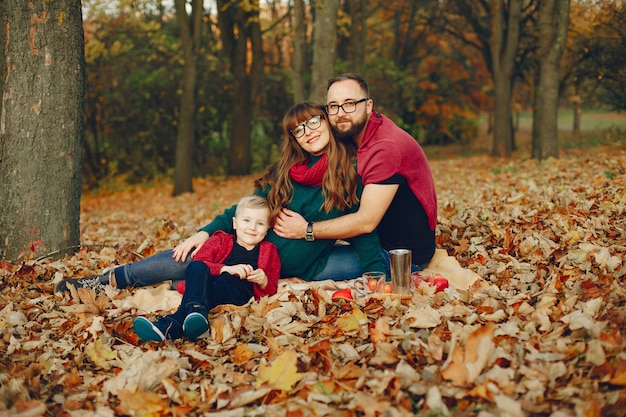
x=313, y=175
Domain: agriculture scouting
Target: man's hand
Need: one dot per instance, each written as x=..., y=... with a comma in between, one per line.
x=290, y=225
x=191, y=243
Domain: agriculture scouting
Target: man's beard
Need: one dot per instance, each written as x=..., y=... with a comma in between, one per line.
x=351, y=133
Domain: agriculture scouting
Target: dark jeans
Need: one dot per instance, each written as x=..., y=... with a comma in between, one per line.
x=204, y=291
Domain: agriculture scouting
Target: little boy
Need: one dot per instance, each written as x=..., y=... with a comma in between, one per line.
x=227, y=269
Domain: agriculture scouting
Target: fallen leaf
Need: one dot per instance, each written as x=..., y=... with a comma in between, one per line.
x=282, y=374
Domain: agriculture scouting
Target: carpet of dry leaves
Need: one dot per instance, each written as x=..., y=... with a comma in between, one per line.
x=545, y=335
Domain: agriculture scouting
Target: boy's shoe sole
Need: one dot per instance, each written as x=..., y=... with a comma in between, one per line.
x=147, y=331
x=92, y=283
x=195, y=325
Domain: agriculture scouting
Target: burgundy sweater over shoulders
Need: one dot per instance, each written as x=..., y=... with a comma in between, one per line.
x=387, y=150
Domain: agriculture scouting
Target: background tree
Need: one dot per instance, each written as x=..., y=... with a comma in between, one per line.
x=299, y=31
x=324, y=46
x=496, y=28
x=190, y=31
x=41, y=128
x=358, y=12
x=552, y=33
x=604, y=53
x=240, y=33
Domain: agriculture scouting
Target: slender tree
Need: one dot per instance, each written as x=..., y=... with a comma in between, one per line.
x=41, y=127
x=358, y=33
x=240, y=33
x=553, y=26
x=505, y=34
x=324, y=46
x=496, y=27
x=190, y=30
x=299, y=51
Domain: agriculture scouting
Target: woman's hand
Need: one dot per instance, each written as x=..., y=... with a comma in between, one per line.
x=290, y=225
x=258, y=277
x=194, y=242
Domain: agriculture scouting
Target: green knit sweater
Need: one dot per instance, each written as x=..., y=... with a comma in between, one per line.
x=298, y=257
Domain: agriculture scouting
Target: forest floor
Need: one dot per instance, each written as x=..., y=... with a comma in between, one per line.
x=544, y=335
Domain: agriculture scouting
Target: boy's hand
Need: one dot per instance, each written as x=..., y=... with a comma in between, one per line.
x=258, y=277
x=240, y=270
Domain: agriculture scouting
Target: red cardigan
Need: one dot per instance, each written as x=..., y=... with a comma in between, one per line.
x=215, y=250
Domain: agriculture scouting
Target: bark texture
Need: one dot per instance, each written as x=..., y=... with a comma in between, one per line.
x=324, y=47
x=553, y=26
x=299, y=48
x=41, y=127
x=190, y=30
x=240, y=33
x=505, y=34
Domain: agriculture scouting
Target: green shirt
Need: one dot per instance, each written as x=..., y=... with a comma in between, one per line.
x=298, y=257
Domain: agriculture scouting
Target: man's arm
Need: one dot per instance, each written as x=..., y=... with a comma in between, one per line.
x=375, y=201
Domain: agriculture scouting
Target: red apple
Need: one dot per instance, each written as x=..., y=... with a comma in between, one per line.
x=439, y=282
x=346, y=294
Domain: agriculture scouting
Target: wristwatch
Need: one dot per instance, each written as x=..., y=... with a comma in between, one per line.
x=309, y=237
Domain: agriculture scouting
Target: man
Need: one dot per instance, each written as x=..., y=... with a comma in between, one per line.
x=398, y=200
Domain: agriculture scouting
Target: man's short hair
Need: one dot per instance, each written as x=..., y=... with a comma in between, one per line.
x=350, y=76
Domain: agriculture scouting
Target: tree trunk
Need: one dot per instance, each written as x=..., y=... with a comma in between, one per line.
x=505, y=40
x=505, y=33
x=502, y=126
x=299, y=48
x=41, y=127
x=324, y=47
x=578, y=110
x=553, y=26
x=242, y=42
x=358, y=33
x=190, y=30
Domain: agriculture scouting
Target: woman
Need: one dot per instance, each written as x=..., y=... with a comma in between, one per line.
x=300, y=181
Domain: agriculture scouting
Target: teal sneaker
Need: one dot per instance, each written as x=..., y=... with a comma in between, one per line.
x=147, y=331
x=195, y=325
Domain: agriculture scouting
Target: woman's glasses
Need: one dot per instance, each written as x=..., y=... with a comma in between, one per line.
x=313, y=123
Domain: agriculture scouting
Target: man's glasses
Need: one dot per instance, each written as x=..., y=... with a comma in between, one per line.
x=313, y=123
x=348, y=106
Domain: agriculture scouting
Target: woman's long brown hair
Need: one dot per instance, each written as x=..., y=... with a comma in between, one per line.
x=340, y=179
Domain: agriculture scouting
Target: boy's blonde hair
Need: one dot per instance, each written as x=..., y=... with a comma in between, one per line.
x=254, y=202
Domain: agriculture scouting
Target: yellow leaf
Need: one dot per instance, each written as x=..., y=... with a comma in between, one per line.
x=353, y=321
x=282, y=374
x=100, y=354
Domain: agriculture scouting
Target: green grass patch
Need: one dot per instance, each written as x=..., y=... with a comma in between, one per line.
x=590, y=120
x=614, y=136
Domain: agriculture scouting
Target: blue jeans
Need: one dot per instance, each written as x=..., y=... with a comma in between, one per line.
x=343, y=263
x=152, y=270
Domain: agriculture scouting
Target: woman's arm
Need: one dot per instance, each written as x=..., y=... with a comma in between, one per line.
x=191, y=245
